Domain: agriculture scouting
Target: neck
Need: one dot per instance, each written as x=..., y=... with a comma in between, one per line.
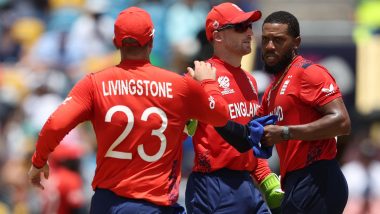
x=135, y=56
x=229, y=58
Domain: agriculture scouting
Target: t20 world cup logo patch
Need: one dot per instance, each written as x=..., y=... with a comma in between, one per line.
x=224, y=82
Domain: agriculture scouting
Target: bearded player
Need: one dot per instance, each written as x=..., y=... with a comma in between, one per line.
x=311, y=113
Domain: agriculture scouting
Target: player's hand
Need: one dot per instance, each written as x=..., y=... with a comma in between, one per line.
x=255, y=133
x=273, y=194
x=256, y=130
x=272, y=135
x=202, y=70
x=35, y=175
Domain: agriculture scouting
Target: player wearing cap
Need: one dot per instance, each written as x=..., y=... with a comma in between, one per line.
x=138, y=112
x=311, y=114
x=222, y=177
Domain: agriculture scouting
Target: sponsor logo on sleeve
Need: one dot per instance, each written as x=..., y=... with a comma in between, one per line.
x=329, y=90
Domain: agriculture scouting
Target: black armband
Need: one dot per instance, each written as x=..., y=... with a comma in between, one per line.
x=236, y=135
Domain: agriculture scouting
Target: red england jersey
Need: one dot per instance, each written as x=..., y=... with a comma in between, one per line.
x=138, y=112
x=212, y=152
x=294, y=97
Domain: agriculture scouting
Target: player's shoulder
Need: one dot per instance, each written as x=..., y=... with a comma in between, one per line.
x=94, y=76
x=316, y=70
x=166, y=72
x=314, y=73
x=217, y=63
x=161, y=74
x=308, y=66
x=101, y=72
x=302, y=63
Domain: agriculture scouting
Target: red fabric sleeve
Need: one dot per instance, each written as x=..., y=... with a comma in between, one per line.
x=318, y=87
x=262, y=170
x=207, y=99
x=75, y=109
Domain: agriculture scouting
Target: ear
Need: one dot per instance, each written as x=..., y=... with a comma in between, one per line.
x=217, y=36
x=150, y=43
x=297, y=42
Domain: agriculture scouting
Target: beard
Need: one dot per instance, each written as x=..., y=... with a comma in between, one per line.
x=281, y=65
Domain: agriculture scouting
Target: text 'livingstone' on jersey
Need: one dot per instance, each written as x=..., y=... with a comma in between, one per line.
x=137, y=87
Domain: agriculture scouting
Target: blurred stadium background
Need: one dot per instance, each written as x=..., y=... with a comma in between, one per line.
x=48, y=45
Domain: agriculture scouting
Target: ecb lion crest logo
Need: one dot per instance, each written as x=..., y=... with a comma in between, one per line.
x=215, y=24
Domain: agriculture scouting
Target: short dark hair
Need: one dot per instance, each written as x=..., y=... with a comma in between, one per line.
x=133, y=46
x=283, y=17
x=130, y=42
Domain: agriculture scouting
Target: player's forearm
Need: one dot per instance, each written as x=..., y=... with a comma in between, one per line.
x=262, y=170
x=235, y=134
x=217, y=112
x=47, y=141
x=59, y=124
x=335, y=121
x=328, y=126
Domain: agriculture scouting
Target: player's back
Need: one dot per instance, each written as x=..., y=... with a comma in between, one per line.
x=139, y=113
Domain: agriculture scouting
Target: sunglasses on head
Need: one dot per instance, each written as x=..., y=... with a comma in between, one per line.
x=240, y=27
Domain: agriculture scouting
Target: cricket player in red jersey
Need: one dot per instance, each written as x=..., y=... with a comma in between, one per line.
x=221, y=180
x=311, y=113
x=138, y=112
